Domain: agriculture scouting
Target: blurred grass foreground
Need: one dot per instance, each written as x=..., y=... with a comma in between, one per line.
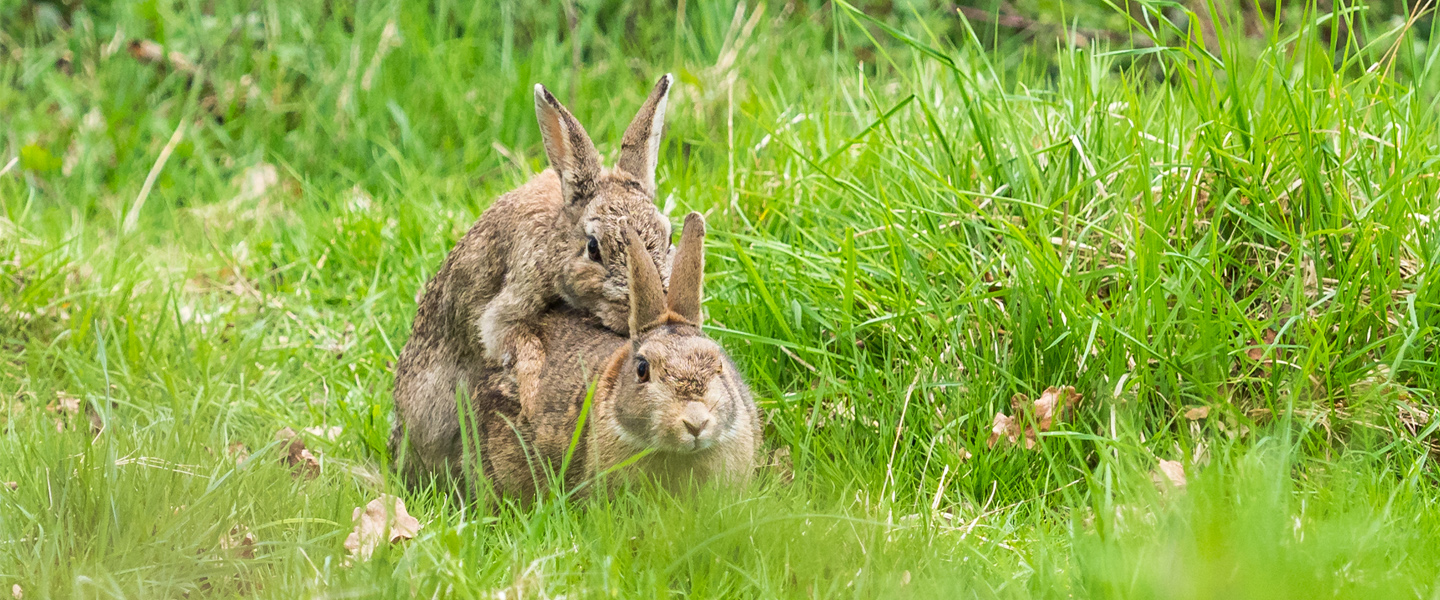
x=1215, y=221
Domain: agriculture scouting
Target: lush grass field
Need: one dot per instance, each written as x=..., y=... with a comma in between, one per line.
x=913, y=219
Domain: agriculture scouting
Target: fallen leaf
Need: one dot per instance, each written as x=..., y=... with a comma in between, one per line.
x=383, y=520
x=1041, y=415
x=146, y=50
x=12, y=485
x=240, y=451
x=240, y=540
x=1198, y=413
x=1003, y=425
x=328, y=434
x=66, y=403
x=1054, y=402
x=1174, y=473
x=297, y=455
x=1257, y=350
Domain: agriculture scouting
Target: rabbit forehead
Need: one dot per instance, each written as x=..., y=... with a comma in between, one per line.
x=679, y=357
x=620, y=199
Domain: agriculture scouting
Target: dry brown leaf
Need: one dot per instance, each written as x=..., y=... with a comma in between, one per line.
x=1053, y=403
x=1257, y=350
x=1005, y=426
x=240, y=540
x=297, y=455
x=146, y=50
x=239, y=451
x=66, y=404
x=1040, y=416
x=383, y=520
x=328, y=434
x=1173, y=472
x=1198, y=413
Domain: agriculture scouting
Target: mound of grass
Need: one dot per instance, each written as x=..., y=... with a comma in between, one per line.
x=216, y=218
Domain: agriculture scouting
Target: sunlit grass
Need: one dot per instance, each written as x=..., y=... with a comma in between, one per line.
x=907, y=228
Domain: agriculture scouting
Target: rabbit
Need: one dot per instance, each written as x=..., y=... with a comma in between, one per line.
x=557, y=238
x=665, y=388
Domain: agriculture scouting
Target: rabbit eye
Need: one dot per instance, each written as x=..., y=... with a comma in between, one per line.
x=642, y=370
x=593, y=249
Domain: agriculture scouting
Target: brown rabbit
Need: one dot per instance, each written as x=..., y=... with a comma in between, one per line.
x=667, y=390
x=559, y=237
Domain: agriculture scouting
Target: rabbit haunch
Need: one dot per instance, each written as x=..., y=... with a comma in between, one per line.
x=558, y=238
x=667, y=389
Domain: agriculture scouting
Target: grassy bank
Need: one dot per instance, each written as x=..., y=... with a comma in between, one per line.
x=1225, y=240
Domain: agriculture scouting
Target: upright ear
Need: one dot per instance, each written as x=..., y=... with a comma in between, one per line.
x=571, y=152
x=688, y=273
x=647, y=294
x=641, y=144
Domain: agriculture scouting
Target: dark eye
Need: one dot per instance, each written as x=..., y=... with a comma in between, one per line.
x=593, y=249
x=642, y=370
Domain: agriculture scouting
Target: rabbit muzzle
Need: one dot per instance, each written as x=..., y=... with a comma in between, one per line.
x=699, y=426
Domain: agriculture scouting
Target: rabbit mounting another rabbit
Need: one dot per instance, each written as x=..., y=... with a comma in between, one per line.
x=666, y=393
x=559, y=237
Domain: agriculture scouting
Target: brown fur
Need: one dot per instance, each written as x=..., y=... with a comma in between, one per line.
x=690, y=379
x=527, y=252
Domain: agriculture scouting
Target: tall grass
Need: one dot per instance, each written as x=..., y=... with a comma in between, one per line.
x=910, y=225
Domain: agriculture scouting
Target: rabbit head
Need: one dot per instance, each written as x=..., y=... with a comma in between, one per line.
x=600, y=203
x=676, y=390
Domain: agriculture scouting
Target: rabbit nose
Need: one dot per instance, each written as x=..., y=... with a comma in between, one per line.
x=696, y=418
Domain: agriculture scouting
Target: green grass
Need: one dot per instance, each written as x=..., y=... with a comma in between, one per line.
x=911, y=221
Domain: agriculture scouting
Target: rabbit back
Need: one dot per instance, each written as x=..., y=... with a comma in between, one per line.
x=443, y=348
x=520, y=454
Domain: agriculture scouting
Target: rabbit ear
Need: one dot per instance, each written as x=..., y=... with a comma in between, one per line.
x=571, y=152
x=641, y=144
x=647, y=294
x=688, y=273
